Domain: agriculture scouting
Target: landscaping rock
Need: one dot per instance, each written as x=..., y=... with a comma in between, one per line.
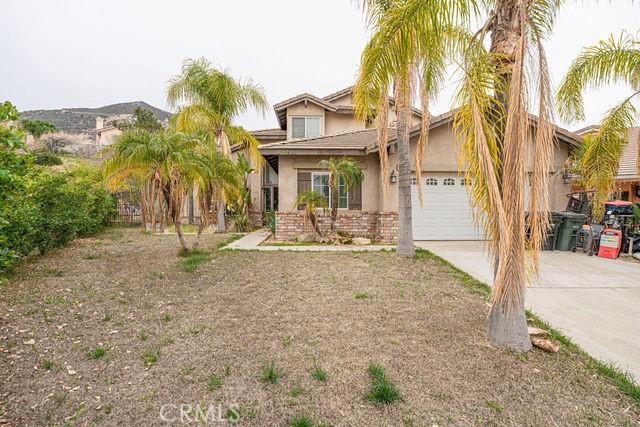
x=361, y=241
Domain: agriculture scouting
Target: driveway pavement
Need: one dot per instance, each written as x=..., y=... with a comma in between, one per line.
x=595, y=301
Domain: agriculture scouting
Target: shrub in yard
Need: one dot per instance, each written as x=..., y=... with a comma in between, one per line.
x=49, y=209
x=46, y=158
x=382, y=391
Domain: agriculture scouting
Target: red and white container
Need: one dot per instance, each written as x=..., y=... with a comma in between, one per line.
x=610, y=243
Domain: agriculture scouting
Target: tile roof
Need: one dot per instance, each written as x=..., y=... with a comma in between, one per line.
x=356, y=141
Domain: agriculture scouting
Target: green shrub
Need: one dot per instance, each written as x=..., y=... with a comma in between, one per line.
x=47, y=209
x=241, y=222
x=45, y=158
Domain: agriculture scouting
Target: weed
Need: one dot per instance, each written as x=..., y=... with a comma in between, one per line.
x=215, y=382
x=197, y=330
x=151, y=356
x=287, y=341
x=491, y=404
x=167, y=317
x=143, y=336
x=92, y=256
x=98, y=353
x=48, y=364
x=362, y=295
x=271, y=373
x=296, y=391
x=227, y=369
x=382, y=391
x=232, y=414
x=107, y=317
x=319, y=374
x=301, y=421
x=166, y=341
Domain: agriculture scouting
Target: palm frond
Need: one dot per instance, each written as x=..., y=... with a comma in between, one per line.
x=610, y=61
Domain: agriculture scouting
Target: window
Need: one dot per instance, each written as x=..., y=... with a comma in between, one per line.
x=320, y=184
x=449, y=181
x=305, y=127
x=269, y=176
x=414, y=181
x=463, y=181
x=431, y=181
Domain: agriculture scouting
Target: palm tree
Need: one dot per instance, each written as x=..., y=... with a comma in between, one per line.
x=612, y=60
x=408, y=61
x=214, y=99
x=494, y=125
x=163, y=165
x=344, y=174
x=311, y=200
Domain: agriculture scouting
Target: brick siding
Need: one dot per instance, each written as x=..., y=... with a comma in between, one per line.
x=380, y=226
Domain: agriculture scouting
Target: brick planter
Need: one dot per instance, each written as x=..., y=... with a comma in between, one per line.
x=381, y=226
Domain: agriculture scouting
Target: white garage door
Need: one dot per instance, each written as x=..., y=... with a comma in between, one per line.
x=446, y=213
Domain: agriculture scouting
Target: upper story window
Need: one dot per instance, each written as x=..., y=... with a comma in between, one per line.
x=305, y=127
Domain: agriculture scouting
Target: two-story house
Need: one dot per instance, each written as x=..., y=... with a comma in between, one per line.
x=315, y=128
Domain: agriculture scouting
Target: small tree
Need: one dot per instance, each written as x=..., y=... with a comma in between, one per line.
x=345, y=173
x=37, y=128
x=142, y=119
x=311, y=200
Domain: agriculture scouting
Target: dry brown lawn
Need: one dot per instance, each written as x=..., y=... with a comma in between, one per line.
x=124, y=292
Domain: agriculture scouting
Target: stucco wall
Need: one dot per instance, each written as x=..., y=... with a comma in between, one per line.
x=299, y=109
x=442, y=156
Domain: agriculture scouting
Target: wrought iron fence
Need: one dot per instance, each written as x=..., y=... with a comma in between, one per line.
x=128, y=208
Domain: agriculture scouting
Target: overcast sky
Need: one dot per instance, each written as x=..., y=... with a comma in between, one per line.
x=79, y=53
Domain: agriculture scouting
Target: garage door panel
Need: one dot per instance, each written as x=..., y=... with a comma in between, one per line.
x=446, y=213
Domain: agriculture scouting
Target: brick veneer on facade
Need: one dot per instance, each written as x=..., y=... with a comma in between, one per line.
x=382, y=226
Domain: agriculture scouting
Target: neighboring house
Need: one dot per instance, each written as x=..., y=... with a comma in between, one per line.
x=313, y=128
x=106, y=132
x=628, y=177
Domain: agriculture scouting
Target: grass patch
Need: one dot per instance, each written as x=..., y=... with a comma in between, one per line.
x=48, y=364
x=362, y=295
x=271, y=373
x=192, y=260
x=151, y=356
x=491, y=404
x=319, y=374
x=197, y=330
x=232, y=238
x=382, y=391
x=296, y=391
x=476, y=286
x=214, y=382
x=167, y=317
x=301, y=421
x=98, y=353
x=611, y=372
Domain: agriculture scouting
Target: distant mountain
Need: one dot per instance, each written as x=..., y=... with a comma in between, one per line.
x=83, y=120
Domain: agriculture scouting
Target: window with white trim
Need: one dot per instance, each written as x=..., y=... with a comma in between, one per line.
x=320, y=184
x=305, y=127
x=430, y=181
x=414, y=181
x=448, y=181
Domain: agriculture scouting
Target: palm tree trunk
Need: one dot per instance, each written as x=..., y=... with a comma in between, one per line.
x=333, y=185
x=405, y=233
x=221, y=227
x=507, y=325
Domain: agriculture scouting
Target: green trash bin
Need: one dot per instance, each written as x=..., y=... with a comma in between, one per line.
x=552, y=233
x=568, y=230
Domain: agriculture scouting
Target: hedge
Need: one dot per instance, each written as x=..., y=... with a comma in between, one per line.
x=50, y=210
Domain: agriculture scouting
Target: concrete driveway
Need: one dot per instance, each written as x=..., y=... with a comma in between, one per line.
x=595, y=301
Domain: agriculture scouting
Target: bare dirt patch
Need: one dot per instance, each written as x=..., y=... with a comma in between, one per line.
x=210, y=337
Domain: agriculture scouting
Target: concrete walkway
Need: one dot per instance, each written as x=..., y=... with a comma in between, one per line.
x=252, y=241
x=593, y=300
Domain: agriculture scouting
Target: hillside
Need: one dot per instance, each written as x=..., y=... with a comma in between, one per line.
x=83, y=120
